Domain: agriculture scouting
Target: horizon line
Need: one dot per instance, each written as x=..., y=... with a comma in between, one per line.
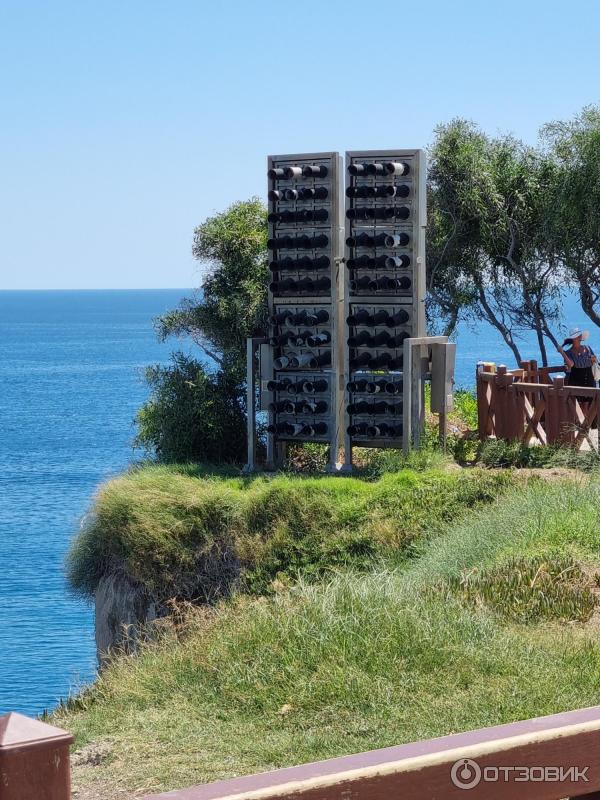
x=110, y=289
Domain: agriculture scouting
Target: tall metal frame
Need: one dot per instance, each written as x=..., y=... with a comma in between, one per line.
x=345, y=359
x=385, y=222
x=298, y=375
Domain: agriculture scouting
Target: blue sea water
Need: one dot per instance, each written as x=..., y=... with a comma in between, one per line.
x=480, y=342
x=70, y=384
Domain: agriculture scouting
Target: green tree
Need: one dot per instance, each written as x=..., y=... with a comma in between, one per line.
x=486, y=242
x=574, y=221
x=198, y=412
x=192, y=415
x=232, y=302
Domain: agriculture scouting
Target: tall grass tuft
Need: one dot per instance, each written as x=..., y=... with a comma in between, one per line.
x=530, y=589
x=364, y=660
x=501, y=453
x=189, y=537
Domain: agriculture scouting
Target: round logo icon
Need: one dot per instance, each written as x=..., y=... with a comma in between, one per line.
x=465, y=773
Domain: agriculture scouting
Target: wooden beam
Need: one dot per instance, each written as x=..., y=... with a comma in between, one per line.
x=34, y=760
x=429, y=770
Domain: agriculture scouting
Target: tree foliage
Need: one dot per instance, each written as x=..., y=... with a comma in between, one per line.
x=573, y=208
x=487, y=240
x=198, y=412
x=192, y=415
x=232, y=303
x=511, y=225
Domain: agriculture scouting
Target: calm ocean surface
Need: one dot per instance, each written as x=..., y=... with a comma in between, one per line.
x=70, y=365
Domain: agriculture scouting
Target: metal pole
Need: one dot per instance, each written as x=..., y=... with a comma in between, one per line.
x=251, y=405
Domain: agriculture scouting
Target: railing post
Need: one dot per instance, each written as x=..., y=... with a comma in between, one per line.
x=34, y=760
x=533, y=368
x=485, y=399
x=515, y=411
x=481, y=403
x=552, y=415
x=502, y=413
x=564, y=424
x=251, y=404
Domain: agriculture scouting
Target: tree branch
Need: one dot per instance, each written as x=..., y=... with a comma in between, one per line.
x=201, y=342
x=500, y=326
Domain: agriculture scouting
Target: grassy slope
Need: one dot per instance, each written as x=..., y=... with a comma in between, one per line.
x=179, y=532
x=362, y=661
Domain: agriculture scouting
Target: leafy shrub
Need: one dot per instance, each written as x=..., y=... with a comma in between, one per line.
x=169, y=530
x=192, y=415
x=378, y=462
x=307, y=456
x=530, y=589
x=502, y=453
x=465, y=407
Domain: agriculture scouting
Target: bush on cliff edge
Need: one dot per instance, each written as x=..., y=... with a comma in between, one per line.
x=184, y=534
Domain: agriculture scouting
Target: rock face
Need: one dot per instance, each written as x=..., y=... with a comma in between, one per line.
x=123, y=610
x=126, y=611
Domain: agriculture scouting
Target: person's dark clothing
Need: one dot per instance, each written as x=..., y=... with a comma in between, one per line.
x=580, y=373
x=582, y=358
x=581, y=376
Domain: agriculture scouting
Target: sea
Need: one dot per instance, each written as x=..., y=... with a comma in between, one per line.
x=71, y=381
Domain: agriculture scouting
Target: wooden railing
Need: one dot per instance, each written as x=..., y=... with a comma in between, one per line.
x=533, y=405
x=542, y=759
x=547, y=758
x=34, y=760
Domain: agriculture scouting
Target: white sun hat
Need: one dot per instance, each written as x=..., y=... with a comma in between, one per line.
x=576, y=332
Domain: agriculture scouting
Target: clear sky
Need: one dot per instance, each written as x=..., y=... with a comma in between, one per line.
x=124, y=124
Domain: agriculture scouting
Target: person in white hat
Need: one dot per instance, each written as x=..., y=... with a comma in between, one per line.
x=578, y=359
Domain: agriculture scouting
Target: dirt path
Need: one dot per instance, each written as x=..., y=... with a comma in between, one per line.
x=85, y=785
x=100, y=792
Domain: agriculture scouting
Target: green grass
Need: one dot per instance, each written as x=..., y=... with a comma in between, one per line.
x=465, y=407
x=501, y=453
x=530, y=589
x=363, y=660
x=466, y=449
x=187, y=533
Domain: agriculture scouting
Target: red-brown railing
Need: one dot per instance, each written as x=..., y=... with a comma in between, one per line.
x=531, y=406
x=34, y=760
x=542, y=759
x=547, y=758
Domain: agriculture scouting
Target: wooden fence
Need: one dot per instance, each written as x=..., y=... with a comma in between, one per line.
x=533, y=405
x=547, y=758
x=542, y=759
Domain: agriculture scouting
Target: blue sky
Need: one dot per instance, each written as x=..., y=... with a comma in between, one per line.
x=124, y=124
